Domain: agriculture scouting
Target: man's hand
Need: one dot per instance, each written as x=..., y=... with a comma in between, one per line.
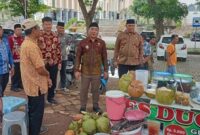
x=59, y=66
x=49, y=82
x=105, y=75
x=77, y=75
x=115, y=64
x=12, y=71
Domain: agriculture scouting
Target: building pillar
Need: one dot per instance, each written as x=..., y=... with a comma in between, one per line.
x=60, y=15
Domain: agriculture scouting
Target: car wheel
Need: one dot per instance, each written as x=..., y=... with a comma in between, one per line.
x=159, y=58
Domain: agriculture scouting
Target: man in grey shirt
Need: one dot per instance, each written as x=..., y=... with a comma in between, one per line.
x=64, y=39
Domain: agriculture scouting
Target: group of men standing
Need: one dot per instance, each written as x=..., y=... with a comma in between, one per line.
x=42, y=53
x=34, y=62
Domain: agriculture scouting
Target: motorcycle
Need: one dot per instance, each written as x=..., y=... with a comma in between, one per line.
x=70, y=78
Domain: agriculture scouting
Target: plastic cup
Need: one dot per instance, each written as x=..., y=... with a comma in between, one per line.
x=153, y=127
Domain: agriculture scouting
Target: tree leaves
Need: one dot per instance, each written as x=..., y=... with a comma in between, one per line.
x=169, y=9
x=160, y=10
x=17, y=7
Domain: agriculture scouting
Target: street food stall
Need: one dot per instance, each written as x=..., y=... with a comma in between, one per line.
x=165, y=104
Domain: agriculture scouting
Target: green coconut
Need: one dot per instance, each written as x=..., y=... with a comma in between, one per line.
x=73, y=126
x=83, y=133
x=103, y=125
x=86, y=116
x=95, y=116
x=105, y=114
x=165, y=96
x=124, y=82
x=89, y=126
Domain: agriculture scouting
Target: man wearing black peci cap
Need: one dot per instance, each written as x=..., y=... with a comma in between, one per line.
x=64, y=40
x=15, y=42
x=90, y=57
x=128, y=54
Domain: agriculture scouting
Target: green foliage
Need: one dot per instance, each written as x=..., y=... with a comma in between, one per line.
x=88, y=2
x=70, y=22
x=178, y=24
x=17, y=7
x=166, y=9
x=99, y=9
x=3, y=5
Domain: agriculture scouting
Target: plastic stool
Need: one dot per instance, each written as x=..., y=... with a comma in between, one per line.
x=14, y=118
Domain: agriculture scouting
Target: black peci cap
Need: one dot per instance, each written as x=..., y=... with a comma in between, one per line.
x=61, y=24
x=130, y=21
x=94, y=24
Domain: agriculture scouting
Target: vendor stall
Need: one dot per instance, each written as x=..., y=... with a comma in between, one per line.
x=172, y=102
x=169, y=105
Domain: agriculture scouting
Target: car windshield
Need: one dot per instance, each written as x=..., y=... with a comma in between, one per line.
x=167, y=40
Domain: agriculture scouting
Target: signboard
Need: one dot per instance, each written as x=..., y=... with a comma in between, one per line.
x=196, y=22
x=175, y=121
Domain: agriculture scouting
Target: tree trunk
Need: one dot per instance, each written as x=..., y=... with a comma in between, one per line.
x=159, y=27
x=88, y=21
x=88, y=15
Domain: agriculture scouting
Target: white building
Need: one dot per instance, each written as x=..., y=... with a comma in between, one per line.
x=64, y=10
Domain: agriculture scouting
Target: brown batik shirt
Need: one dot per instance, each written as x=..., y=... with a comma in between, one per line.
x=31, y=59
x=128, y=49
x=91, y=56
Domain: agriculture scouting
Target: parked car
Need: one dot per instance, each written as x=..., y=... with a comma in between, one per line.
x=181, y=47
x=149, y=35
x=8, y=32
x=195, y=36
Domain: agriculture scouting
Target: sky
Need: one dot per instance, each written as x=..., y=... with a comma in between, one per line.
x=187, y=1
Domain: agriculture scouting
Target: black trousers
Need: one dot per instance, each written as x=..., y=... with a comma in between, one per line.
x=35, y=112
x=53, y=70
x=123, y=69
x=16, y=81
x=3, y=83
x=63, y=74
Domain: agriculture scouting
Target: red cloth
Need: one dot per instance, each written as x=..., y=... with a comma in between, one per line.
x=50, y=47
x=15, y=44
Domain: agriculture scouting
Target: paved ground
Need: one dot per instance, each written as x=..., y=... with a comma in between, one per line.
x=57, y=117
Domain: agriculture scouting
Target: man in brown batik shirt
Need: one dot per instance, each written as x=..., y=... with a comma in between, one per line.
x=91, y=56
x=128, y=54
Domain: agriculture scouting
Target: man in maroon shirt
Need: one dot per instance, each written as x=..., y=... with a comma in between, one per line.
x=51, y=50
x=15, y=42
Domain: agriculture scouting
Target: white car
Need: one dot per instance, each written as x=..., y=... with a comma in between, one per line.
x=181, y=48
